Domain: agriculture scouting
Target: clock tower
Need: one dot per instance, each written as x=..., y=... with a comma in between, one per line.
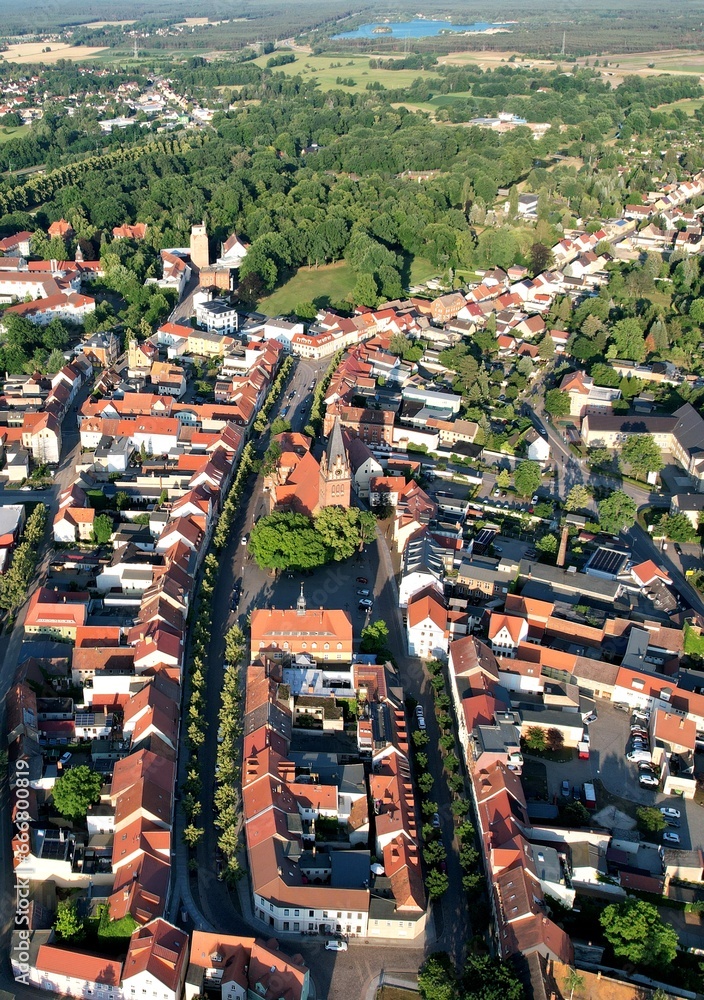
x=335, y=472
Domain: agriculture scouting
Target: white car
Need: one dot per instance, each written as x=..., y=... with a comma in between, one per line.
x=671, y=838
x=670, y=813
x=420, y=717
x=245, y=539
x=65, y=758
x=335, y=945
x=648, y=780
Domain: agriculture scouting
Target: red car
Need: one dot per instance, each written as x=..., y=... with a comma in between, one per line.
x=362, y=579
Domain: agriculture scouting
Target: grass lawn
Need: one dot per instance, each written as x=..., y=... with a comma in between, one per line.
x=394, y=993
x=329, y=283
x=9, y=132
x=688, y=105
x=421, y=270
x=693, y=642
x=327, y=68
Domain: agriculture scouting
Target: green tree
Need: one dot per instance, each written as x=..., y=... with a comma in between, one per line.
x=547, y=545
x=287, y=541
x=375, y=639
x=578, y=498
x=437, y=979
x=503, y=480
x=527, y=477
x=636, y=932
x=365, y=292
x=627, y=340
x=539, y=258
x=557, y=403
x=487, y=978
x=102, y=529
x=650, y=820
x=68, y=926
x=121, y=500
x=576, y=814
x=76, y=791
x=437, y=883
x=617, y=512
x=339, y=530
x=677, y=527
x=535, y=738
x=573, y=981
x=279, y=425
x=641, y=454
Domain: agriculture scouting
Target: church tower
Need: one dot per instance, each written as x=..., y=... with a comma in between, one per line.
x=335, y=472
x=200, y=253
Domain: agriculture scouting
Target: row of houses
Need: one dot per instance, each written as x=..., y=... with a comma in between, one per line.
x=304, y=878
x=124, y=634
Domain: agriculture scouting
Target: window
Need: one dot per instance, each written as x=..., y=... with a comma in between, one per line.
x=326, y=645
x=296, y=913
x=311, y=913
x=286, y=913
x=286, y=925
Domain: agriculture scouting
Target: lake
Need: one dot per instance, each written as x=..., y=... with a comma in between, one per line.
x=418, y=28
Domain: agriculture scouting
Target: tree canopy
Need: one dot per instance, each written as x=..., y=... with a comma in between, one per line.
x=641, y=455
x=617, y=512
x=635, y=931
x=527, y=477
x=76, y=791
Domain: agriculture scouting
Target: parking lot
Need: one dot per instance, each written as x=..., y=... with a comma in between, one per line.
x=607, y=762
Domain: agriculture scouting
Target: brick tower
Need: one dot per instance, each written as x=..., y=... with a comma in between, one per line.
x=335, y=472
x=200, y=252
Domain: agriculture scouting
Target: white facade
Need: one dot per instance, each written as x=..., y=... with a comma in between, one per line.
x=414, y=582
x=427, y=640
x=539, y=450
x=296, y=919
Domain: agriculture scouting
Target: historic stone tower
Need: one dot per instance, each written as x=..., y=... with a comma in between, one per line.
x=335, y=472
x=200, y=253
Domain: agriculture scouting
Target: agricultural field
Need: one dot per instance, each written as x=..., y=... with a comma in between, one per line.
x=327, y=68
x=689, y=105
x=31, y=52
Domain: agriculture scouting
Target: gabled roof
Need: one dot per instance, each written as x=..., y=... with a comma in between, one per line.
x=57, y=961
x=160, y=949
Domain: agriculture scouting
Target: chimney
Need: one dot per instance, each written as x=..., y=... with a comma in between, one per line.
x=562, y=554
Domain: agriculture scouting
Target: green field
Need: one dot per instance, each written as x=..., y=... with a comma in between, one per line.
x=12, y=132
x=326, y=69
x=329, y=283
x=688, y=105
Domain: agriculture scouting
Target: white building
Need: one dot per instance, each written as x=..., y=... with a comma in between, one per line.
x=426, y=626
x=217, y=316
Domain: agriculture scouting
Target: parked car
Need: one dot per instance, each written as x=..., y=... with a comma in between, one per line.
x=366, y=604
x=671, y=838
x=65, y=758
x=436, y=821
x=588, y=719
x=420, y=717
x=363, y=593
x=245, y=539
x=565, y=789
x=535, y=498
x=670, y=813
x=646, y=779
x=621, y=707
x=362, y=579
x=335, y=945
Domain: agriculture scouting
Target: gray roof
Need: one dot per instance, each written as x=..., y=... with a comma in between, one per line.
x=689, y=429
x=568, y=582
x=350, y=869
x=10, y=517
